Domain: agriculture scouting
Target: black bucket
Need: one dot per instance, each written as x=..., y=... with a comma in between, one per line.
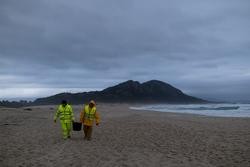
x=77, y=126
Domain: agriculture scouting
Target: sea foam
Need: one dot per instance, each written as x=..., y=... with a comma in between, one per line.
x=219, y=110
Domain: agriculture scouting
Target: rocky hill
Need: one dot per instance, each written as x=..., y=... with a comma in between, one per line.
x=153, y=91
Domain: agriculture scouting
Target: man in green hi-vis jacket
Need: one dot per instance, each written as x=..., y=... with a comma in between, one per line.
x=66, y=115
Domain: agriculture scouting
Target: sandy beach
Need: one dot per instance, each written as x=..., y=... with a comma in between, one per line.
x=125, y=137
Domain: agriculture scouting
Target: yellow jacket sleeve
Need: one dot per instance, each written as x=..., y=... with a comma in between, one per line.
x=82, y=116
x=72, y=113
x=97, y=117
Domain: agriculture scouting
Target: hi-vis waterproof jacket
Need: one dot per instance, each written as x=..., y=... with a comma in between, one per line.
x=88, y=115
x=64, y=113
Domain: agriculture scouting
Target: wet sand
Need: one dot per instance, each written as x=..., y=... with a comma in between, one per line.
x=124, y=138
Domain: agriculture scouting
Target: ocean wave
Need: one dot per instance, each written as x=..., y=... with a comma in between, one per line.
x=218, y=110
x=210, y=108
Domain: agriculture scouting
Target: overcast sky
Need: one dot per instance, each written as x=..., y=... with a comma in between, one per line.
x=199, y=46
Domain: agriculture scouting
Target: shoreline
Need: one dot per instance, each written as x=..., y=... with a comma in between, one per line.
x=215, y=110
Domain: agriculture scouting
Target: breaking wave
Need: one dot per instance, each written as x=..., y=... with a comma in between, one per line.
x=211, y=108
x=218, y=110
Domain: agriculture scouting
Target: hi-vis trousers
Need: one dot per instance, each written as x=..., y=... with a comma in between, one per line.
x=87, y=132
x=66, y=128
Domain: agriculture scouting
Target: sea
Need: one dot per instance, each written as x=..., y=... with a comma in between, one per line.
x=218, y=109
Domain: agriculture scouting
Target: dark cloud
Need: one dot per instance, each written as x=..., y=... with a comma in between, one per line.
x=47, y=46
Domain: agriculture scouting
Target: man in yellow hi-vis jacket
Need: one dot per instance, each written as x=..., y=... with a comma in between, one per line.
x=87, y=117
x=66, y=115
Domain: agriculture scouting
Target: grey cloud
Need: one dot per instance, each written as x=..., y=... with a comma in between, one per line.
x=86, y=44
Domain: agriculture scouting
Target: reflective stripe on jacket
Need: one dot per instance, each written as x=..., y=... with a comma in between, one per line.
x=88, y=115
x=64, y=113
